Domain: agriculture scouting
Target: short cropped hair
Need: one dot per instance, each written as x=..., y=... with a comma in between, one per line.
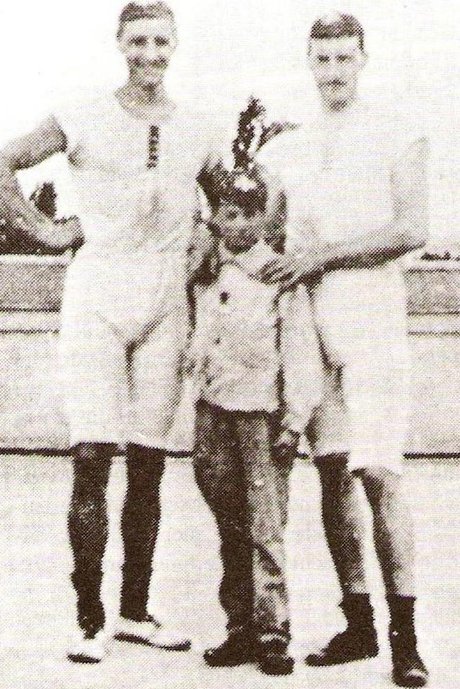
x=337, y=25
x=134, y=10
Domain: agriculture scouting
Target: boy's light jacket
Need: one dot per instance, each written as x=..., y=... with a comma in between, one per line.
x=255, y=347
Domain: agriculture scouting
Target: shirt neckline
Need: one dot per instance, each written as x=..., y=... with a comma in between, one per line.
x=340, y=117
x=144, y=120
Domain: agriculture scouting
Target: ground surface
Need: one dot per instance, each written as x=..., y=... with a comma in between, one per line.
x=37, y=602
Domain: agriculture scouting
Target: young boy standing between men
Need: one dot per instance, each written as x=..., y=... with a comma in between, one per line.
x=258, y=375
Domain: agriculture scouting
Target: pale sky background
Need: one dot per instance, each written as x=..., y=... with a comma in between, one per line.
x=54, y=51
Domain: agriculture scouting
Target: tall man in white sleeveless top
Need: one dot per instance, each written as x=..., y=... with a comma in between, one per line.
x=134, y=156
x=355, y=180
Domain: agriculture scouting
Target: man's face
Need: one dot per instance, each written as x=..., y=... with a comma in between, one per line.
x=238, y=231
x=336, y=64
x=148, y=45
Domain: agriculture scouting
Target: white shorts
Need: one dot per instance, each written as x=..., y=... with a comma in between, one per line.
x=361, y=317
x=124, y=325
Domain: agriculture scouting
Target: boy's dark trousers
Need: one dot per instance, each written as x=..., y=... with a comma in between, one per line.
x=247, y=489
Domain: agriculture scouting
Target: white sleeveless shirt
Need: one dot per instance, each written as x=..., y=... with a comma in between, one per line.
x=337, y=170
x=127, y=204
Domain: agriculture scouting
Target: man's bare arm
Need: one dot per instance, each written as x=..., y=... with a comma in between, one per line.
x=407, y=231
x=17, y=215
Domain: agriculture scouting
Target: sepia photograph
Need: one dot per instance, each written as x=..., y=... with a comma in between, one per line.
x=230, y=344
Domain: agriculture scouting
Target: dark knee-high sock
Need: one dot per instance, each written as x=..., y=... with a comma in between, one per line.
x=139, y=526
x=88, y=529
x=342, y=522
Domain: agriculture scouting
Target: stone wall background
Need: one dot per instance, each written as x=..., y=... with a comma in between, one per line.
x=31, y=410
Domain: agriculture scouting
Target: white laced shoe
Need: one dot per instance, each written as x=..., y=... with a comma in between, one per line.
x=151, y=633
x=87, y=648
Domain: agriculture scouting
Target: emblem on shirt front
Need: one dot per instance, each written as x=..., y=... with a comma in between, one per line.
x=153, y=147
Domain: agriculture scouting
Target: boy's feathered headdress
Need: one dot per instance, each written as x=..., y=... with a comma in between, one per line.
x=242, y=181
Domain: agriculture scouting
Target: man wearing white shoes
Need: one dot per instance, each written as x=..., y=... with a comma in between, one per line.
x=134, y=156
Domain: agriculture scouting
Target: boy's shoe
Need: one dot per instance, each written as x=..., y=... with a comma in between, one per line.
x=357, y=642
x=273, y=658
x=237, y=649
x=88, y=647
x=150, y=632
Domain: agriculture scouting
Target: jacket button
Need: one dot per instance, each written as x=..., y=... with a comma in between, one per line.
x=224, y=297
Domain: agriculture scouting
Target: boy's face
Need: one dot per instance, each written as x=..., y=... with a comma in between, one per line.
x=238, y=231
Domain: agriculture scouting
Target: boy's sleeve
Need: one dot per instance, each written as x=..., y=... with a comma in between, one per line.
x=201, y=254
x=301, y=359
x=198, y=336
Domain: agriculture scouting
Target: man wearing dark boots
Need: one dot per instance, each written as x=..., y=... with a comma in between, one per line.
x=392, y=529
x=356, y=186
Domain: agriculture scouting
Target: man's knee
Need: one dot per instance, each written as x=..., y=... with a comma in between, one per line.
x=340, y=498
x=334, y=473
x=92, y=452
x=380, y=484
x=331, y=462
x=91, y=467
x=87, y=517
x=141, y=453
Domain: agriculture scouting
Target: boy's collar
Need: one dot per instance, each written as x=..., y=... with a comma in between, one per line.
x=249, y=261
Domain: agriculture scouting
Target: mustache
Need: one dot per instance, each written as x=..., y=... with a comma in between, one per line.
x=334, y=82
x=156, y=63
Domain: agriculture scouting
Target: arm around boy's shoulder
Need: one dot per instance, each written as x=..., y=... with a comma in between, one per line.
x=301, y=358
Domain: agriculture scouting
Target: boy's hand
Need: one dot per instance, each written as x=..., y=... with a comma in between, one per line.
x=286, y=444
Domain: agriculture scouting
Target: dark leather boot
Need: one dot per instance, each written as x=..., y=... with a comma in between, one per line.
x=357, y=642
x=408, y=668
x=237, y=649
x=273, y=658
